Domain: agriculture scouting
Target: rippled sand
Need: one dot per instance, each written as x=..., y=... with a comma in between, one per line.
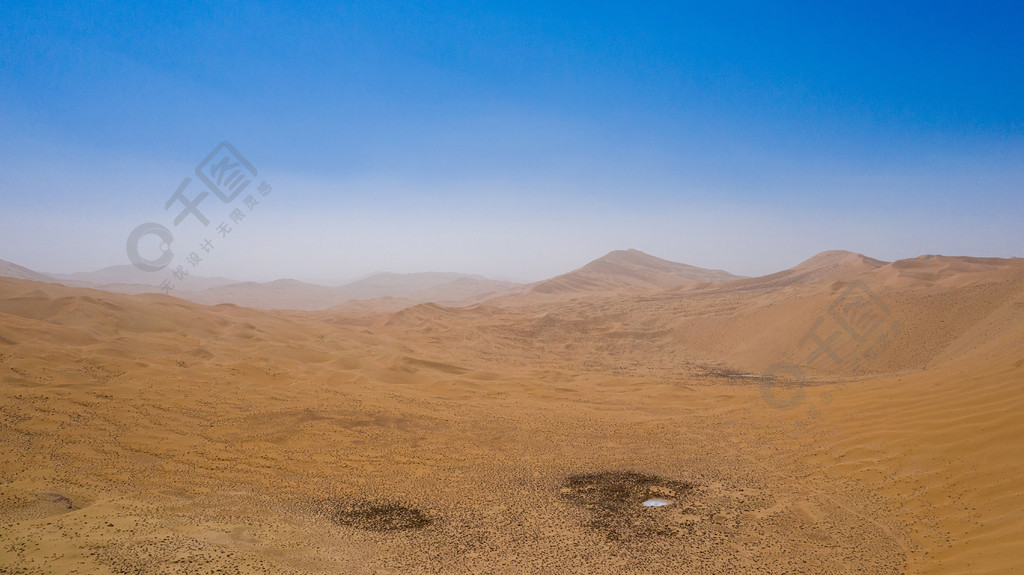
x=144, y=434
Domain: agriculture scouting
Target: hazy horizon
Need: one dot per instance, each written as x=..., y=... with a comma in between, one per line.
x=514, y=142
x=497, y=277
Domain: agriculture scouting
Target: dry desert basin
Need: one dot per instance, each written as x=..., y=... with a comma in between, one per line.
x=847, y=415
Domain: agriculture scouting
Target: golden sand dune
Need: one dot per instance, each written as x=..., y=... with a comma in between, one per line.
x=13, y=270
x=621, y=271
x=845, y=416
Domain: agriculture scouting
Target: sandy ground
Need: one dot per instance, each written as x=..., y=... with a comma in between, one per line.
x=144, y=434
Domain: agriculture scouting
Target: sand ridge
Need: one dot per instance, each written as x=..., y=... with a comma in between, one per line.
x=149, y=434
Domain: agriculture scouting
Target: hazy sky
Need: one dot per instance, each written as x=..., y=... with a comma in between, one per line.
x=515, y=140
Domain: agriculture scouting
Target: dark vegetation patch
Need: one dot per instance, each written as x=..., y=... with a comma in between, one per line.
x=705, y=371
x=59, y=501
x=614, y=501
x=380, y=516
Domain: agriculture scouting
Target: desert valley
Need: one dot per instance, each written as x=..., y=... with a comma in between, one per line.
x=635, y=415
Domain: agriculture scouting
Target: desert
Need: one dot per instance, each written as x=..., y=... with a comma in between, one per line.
x=511, y=288
x=144, y=433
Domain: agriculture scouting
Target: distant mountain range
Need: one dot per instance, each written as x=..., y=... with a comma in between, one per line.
x=408, y=289
x=130, y=279
x=448, y=288
x=618, y=272
x=629, y=270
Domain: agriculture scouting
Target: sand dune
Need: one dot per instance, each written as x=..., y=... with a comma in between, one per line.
x=825, y=267
x=12, y=270
x=522, y=434
x=616, y=272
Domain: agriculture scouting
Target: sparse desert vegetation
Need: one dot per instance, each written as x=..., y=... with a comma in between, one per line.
x=522, y=434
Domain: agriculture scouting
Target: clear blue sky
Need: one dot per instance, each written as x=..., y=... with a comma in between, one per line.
x=515, y=139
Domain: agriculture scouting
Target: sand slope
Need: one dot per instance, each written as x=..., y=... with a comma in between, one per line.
x=13, y=270
x=620, y=271
x=150, y=434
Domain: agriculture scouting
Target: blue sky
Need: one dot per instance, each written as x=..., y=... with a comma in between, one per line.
x=517, y=140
